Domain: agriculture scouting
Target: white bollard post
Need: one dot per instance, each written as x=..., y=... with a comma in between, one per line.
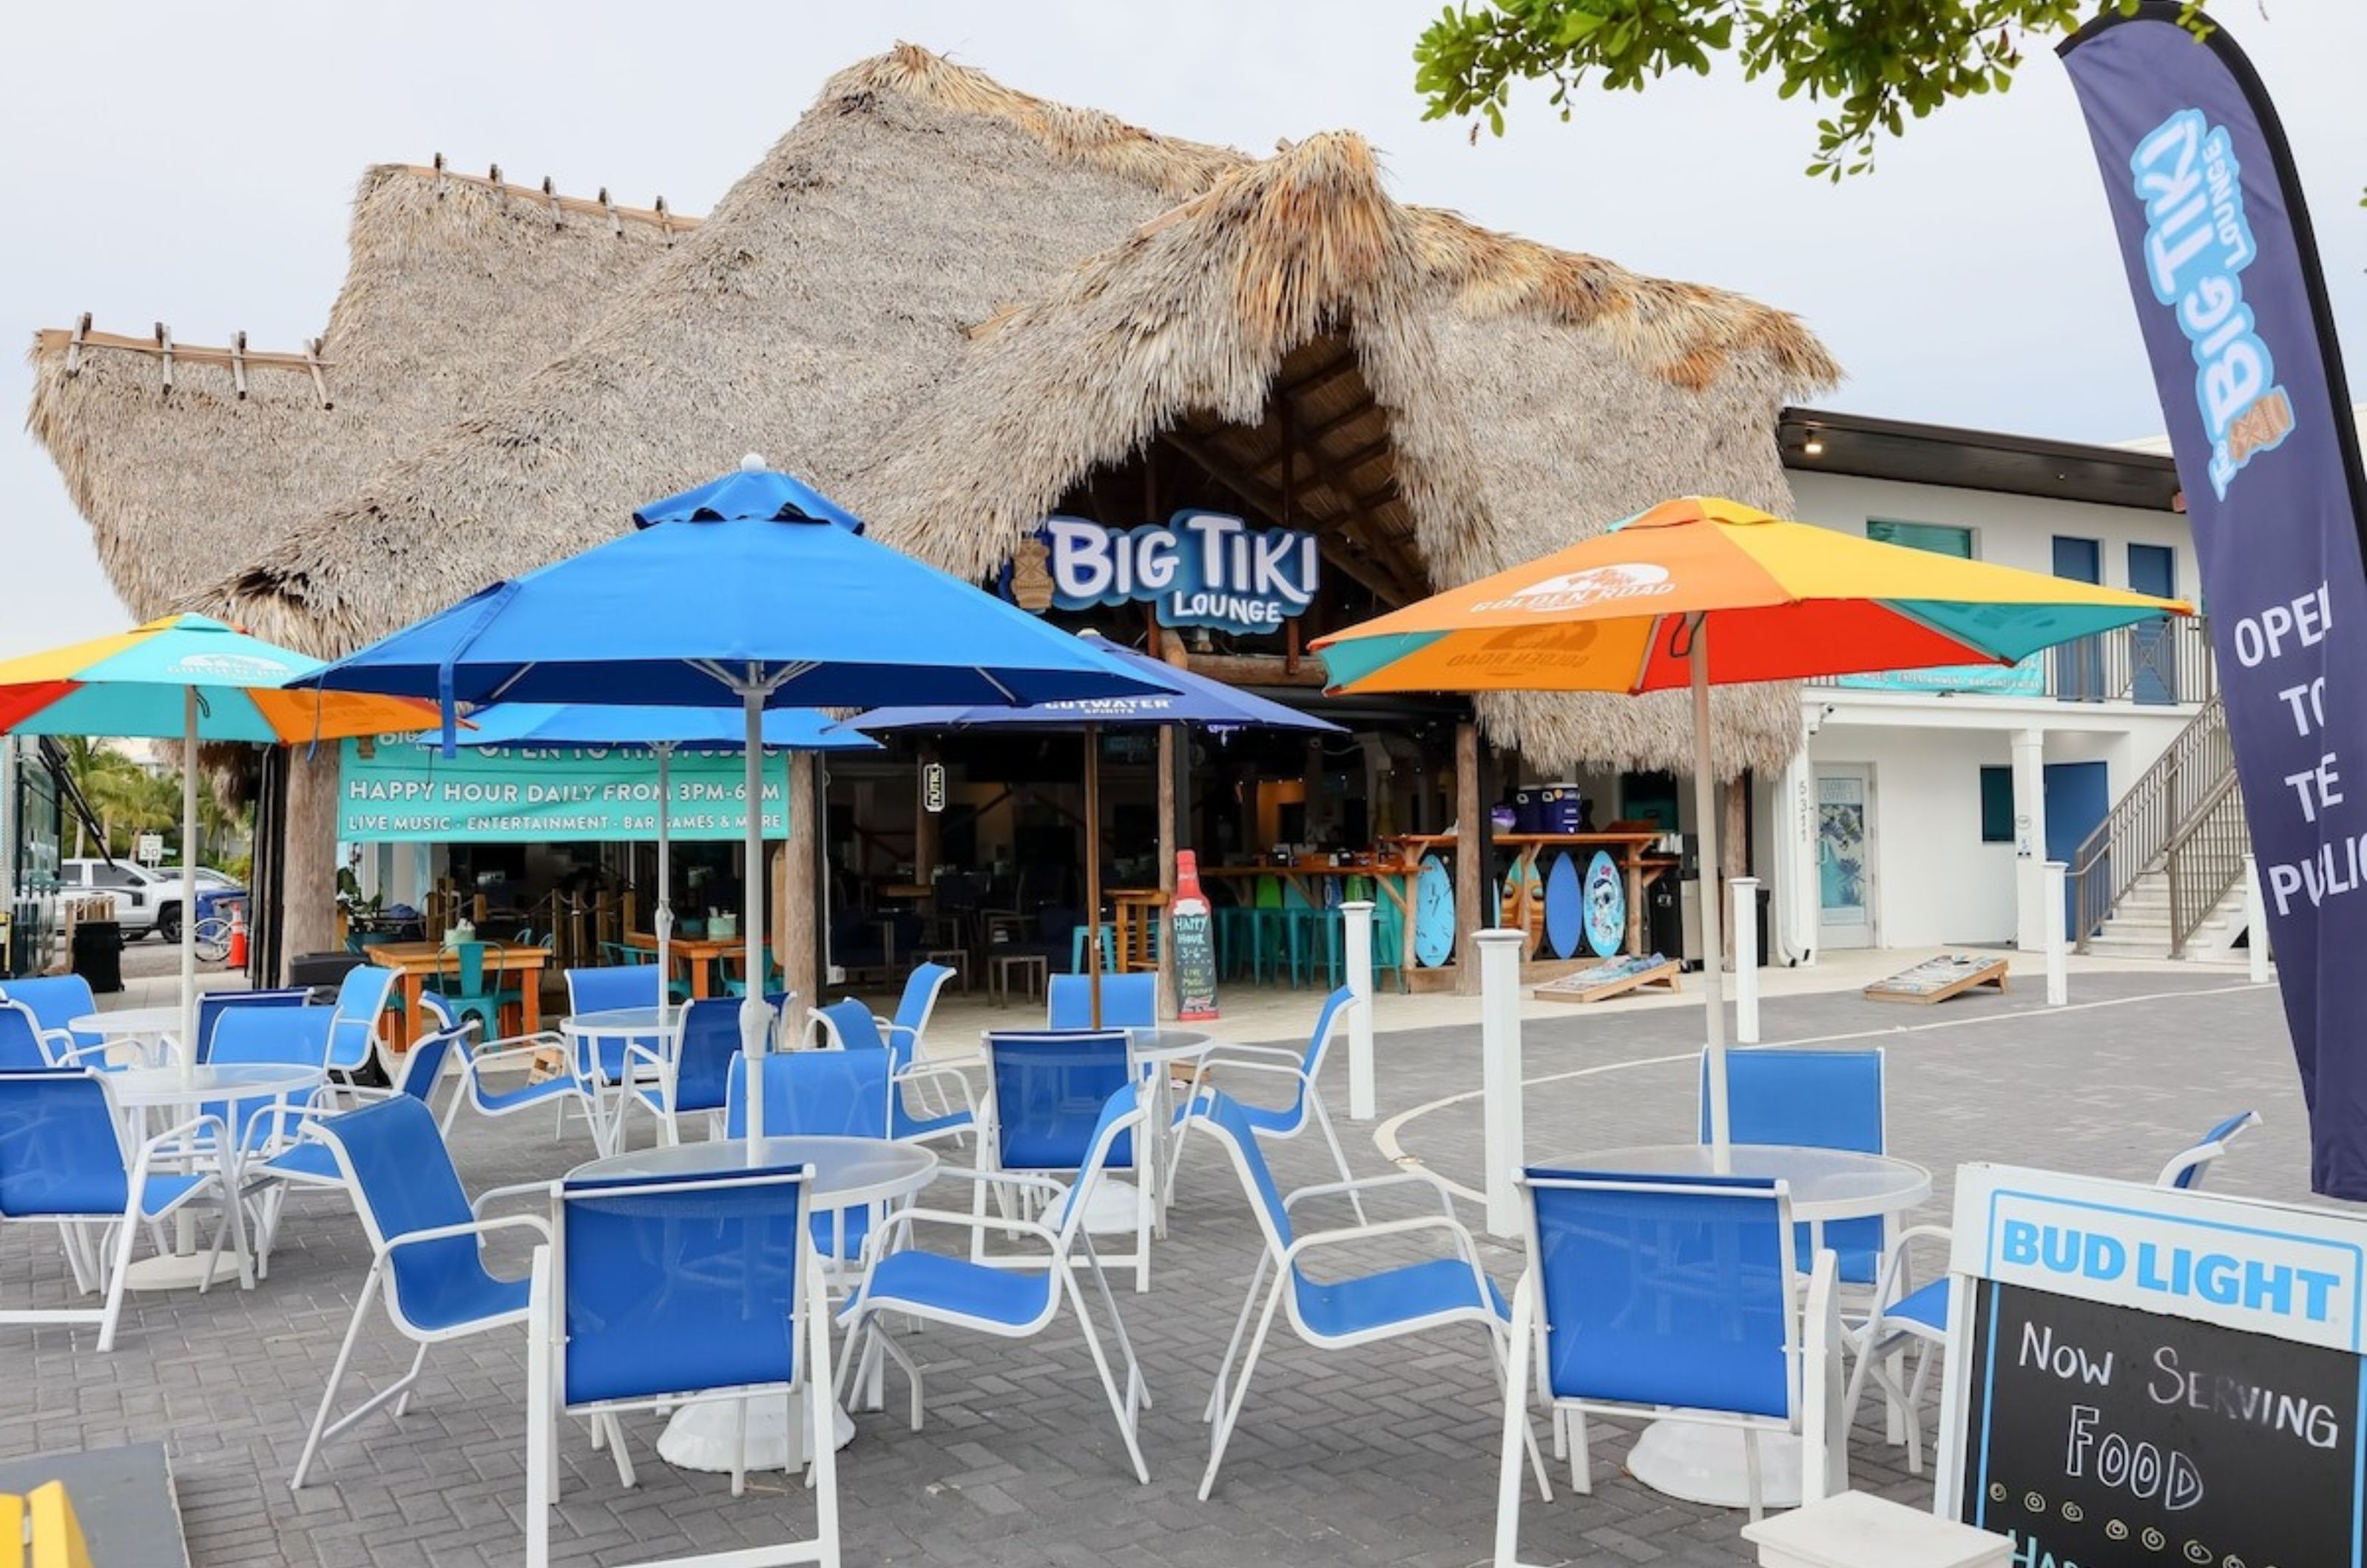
x=1500, y=1074
x=2058, y=981
x=2255, y=922
x=1356, y=915
x=1746, y=960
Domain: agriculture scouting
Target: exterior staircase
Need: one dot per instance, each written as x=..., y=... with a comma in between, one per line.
x=2162, y=876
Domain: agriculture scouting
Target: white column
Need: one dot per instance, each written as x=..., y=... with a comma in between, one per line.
x=2058, y=983
x=1746, y=960
x=2030, y=839
x=1357, y=916
x=1793, y=839
x=2255, y=922
x=1500, y=1074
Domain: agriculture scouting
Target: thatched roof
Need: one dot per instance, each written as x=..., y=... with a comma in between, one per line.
x=1451, y=402
x=946, y=303
x=185, y=458
x=830, y=287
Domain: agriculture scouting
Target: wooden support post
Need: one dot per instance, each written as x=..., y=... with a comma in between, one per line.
x=1470, y=876
x=308, y=908
x=1734, y=854
x=797, y=903
x=1168, y=747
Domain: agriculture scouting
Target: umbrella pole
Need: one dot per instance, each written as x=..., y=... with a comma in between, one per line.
x=752, y=1005
x=664, y=749
x=1713, y=937
x=1094, y=867
x=189, y=885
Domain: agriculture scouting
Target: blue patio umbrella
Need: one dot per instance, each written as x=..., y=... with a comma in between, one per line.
x=662, y=732
x=752, y=588
x=1187, y=699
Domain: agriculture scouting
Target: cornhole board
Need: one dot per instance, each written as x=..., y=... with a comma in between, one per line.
x=1937, y=979
x=122, y=1498
x=1614, y=978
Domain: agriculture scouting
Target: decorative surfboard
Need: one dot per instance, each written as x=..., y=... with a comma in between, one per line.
x=1564, y=906
x=1606, y=906
x=1525, y=891
x=1434, y=914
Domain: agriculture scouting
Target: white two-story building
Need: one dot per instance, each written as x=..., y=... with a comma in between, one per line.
x=1925, y=804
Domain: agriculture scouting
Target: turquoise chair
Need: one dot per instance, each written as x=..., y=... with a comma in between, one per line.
x=470, y=993
x=1108, y=931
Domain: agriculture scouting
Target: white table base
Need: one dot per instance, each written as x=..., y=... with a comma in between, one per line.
x=706, y=1436
x=1704, y=1463
x=180, y=1271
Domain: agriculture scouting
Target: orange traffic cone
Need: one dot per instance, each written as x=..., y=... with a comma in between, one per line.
x=238, y=937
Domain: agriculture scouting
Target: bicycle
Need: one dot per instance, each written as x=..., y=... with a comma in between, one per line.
x=213, y=938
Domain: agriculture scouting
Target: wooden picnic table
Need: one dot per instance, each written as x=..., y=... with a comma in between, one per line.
x=697, y=953
x=416, y=961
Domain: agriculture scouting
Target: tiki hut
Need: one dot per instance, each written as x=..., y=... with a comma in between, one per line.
x=186, y=458
x=958, y=307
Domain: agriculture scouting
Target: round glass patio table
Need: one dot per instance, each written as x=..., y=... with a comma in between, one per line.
x=142, y=1089
x=157, y=1023
x=618, y=1023
x=1702, y=1463
x=848, y=1173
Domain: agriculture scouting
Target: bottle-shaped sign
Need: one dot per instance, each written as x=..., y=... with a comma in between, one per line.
x=1196, y=946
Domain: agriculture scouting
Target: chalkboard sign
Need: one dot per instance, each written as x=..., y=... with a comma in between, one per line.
x=2143, y=1377
x=1190, y=929
x=2105, y=1438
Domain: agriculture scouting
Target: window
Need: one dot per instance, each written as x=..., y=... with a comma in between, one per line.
x=117, y=876
x=1937, y=538
x=1997, y=805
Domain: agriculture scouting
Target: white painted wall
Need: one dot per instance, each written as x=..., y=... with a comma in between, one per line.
x=2011, y=530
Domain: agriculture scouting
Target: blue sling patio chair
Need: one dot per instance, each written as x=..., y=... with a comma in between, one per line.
x=1302, y=1069
x=1128, y=1001
x=1001, y=1299
x=497, y=1078
x=275, y=1159
x=55, y=1002
x=426, y=1240
x=1349, y=1310
x=2187, y=1168
x=26, y=1046
x=821, y=1094
x=211, y=1005
x=850, y=1025
x=1668, y=1299
x=1816, y=1099
x=64, y=1161
x=363, y=996
x=1044, y=1091
x=602, y=1065
x=657, y=1291
x=694, y=1081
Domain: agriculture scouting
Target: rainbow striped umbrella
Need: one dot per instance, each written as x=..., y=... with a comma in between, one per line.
x=198, y=680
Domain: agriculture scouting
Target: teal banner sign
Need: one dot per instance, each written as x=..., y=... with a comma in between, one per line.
x=403, y=791
x=2027, y=679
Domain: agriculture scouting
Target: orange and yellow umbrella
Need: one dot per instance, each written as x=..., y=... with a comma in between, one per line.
x=1701, y=591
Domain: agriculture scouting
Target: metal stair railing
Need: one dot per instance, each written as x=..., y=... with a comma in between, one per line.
x=2204, y=859
x=2159, y=822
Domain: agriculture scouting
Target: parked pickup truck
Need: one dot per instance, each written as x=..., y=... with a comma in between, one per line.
x=145, y=900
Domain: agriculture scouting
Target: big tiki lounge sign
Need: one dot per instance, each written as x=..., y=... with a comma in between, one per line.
x=1198, y=569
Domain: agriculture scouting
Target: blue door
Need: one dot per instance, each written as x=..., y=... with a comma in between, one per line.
x=2153, y=672
x=2077, y=794
x=2079, y=666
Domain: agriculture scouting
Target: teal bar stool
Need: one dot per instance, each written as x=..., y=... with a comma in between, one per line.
x=468, y=994
x=1108, y=930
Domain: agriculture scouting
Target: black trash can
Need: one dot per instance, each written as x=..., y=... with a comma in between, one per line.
x=321, y=969
x=1664, y=919
x=1766, y=918
x=98, y=954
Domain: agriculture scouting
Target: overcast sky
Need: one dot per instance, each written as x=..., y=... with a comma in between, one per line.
x=195, y=165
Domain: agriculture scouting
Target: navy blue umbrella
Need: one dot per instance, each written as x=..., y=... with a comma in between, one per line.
x=752, y=588
x=1188, y=699
x=662, y=732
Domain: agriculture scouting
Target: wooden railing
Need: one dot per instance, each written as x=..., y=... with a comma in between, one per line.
x=2177, y=818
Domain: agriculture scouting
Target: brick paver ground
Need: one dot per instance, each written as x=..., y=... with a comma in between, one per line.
x=1381, y=1457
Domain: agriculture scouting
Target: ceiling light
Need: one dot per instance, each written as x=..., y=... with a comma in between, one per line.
x=1814, y=446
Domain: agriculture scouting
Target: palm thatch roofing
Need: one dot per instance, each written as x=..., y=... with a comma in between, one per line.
x=186, y=459
x=949, y=303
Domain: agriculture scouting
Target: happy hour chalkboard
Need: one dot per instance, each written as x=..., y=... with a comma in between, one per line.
x=2102, y=1437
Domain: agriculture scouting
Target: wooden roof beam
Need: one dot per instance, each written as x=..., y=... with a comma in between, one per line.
x=1375, y=572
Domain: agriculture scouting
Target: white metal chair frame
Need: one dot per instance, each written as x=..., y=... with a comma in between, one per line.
x=1876, y=1342
x=927, y=1079
x=1021, y=1199
x=60, y=1049
x=546, y=1382
x=398, y=1392
x=1283, y=1262
x=1303, y=1070
x=101, y=1263
x=1070, y=1251
x=1811, y=1350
